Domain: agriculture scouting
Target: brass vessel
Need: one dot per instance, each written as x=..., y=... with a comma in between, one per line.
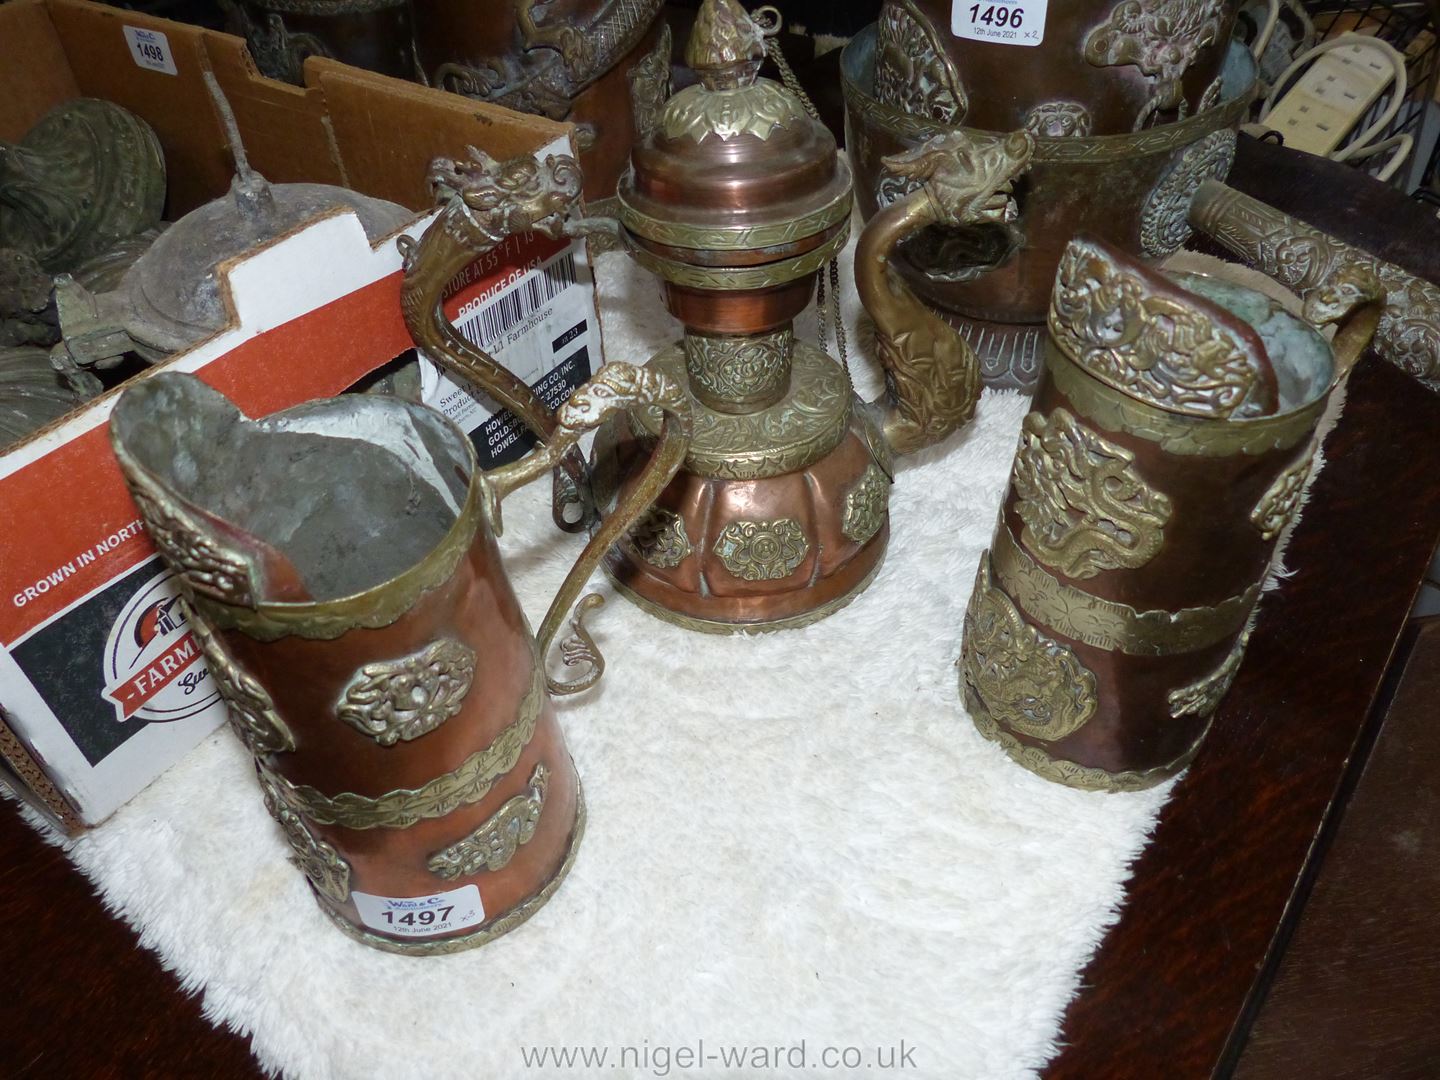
x=281, y=34
x=87, y=176
x=1087, y=174
x=603, y=65
x=1167, y=451
x=169, y=295
x=339, y=569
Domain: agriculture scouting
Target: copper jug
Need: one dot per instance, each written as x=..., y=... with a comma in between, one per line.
x=340, y=572
x=1167, y=451
x=1089, y=171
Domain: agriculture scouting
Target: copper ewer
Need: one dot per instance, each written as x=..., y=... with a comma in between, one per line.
x=1128, y=188
x=1168, y=449
x=736, y=202
x=340, y=573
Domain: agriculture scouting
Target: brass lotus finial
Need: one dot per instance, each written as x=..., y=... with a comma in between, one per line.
x=725, y=46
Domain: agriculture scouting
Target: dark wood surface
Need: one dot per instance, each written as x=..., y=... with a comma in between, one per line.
x=81, y=998
x=1174, y=984
x=1173, y=978
x=1356, y=992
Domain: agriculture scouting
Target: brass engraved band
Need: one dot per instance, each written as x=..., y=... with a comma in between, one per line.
x=1071, y=773
x=1176, y=433
x=1089, y=149
x=403, y=807
x=1106, y=624
x=731, y=237
x=739, y=278
x=491, y=930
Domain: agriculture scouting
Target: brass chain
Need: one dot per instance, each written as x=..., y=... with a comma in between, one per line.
x=768, y=19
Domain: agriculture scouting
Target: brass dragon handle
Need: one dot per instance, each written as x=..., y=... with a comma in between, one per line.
x=932, y=375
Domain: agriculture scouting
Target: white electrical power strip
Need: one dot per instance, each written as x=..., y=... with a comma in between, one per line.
x=1331, y=98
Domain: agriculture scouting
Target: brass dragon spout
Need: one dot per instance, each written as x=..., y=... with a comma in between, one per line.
x=932, y=375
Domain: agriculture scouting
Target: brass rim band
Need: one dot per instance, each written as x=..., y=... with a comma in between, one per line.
x=491, y=930
x=1071, y=773
x=1107, y=624
x=1088, y=149
x=815, y=417
x=1187, y=436
x=375, y=607
x=736, y=237
x=739, y=278
x=400, y=809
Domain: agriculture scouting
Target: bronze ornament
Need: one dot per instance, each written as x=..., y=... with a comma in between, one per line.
x=493, y=844
x=1201, y=697
x=866, y=505
x=762, y=550
x=1027, y=681
x=807, y=424
x=400, y=699
x=914, y=74
x=932, y=375
x=252, y=710
x=1162, y=39
x=1159, y=346
x=1059, y=120
x=659, y=538
x=1281, y=502
x=1164, y=227
x=323, y=866
x=1109, y=624
x=1085, y=507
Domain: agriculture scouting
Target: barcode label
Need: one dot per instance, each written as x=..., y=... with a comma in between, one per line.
x=486, y=326
x=535, y=317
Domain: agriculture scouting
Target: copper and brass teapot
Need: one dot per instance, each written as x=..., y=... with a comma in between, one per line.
x=736, y=201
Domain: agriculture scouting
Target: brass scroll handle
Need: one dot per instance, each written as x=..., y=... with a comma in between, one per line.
x=616, y=387
x=932, y=375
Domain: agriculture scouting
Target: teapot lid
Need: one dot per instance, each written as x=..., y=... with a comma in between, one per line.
x=174, y=287
x=736, y=163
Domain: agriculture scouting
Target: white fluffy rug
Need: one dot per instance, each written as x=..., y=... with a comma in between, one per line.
x=794, y=839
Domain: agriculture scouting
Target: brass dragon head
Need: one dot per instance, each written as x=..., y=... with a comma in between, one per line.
x=502, y=198
x=970, y=176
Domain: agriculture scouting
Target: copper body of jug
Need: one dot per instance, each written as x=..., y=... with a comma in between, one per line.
x=340, y=572
x=1166, y=453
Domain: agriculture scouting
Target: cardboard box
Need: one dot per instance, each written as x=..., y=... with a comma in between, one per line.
x=101, y=687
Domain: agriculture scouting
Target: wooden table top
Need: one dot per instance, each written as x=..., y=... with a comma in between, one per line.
x=1173, y=988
